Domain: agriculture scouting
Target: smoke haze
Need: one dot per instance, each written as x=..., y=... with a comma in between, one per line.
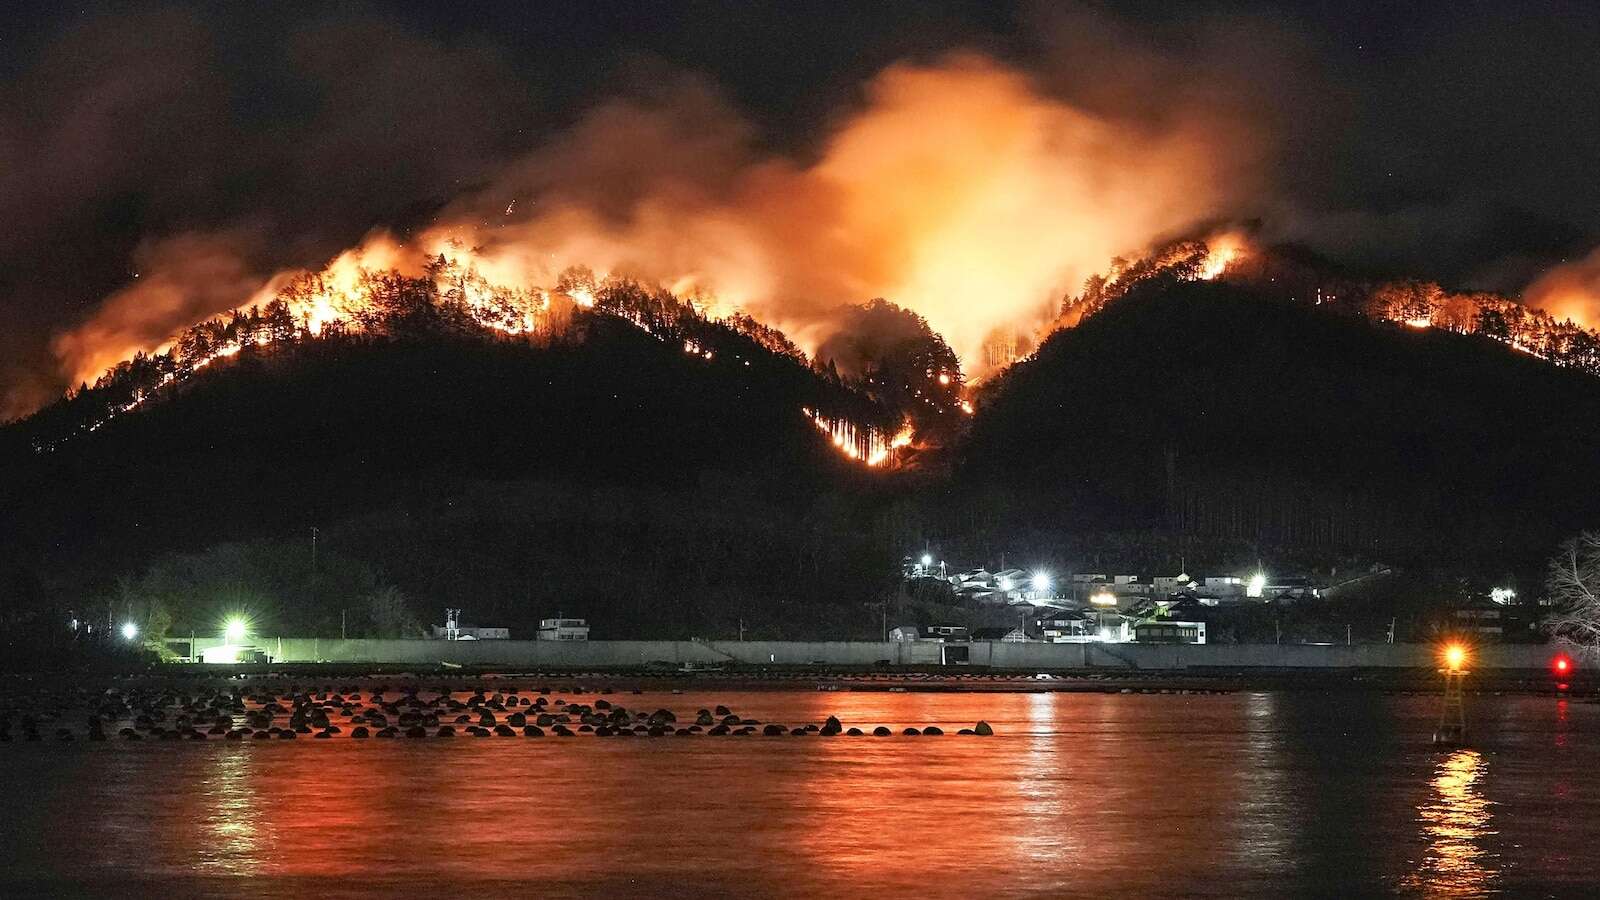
x=972, y=162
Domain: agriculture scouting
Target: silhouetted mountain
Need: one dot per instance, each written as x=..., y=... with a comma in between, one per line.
x=1215, y=410
x=670, y=488
x=278, y=439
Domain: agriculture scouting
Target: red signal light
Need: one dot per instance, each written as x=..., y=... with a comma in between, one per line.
x=1562, y=665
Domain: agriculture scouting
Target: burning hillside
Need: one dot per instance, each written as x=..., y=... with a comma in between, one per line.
x=959, y=190
x=450, y=295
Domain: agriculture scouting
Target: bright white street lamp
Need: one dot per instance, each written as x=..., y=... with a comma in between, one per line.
x=1041, y=581
x=233, y=631
x=927, y=560
x=1257, y=585
x=129, y=631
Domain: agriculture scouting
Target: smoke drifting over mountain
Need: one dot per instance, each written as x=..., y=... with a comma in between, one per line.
x=1570, y=291
x=957, y=190
x=970, y=162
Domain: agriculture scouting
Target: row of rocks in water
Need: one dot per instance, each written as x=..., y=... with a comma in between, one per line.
x=505, y=714
x=95, y=733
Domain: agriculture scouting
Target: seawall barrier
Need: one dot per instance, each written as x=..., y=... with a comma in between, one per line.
x=997, y=655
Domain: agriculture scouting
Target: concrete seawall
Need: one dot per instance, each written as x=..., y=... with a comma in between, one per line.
x=628, y=654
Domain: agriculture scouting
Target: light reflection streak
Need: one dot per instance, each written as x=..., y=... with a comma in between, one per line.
x=1265, y=828
x=1456, y=822
x=1045, y=795
x=232, y=822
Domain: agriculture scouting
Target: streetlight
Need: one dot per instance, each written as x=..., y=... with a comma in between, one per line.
x=927, y=560
x=1041, y=581
x=1452, y=730
x=1257, y=585
x=233, y=630
x=129, y=631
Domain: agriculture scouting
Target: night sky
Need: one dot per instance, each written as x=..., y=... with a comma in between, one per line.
x=1449, y=141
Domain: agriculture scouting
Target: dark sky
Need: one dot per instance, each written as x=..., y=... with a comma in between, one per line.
x=1454, y=140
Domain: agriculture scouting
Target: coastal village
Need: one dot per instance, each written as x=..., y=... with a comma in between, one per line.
x=1017, y=605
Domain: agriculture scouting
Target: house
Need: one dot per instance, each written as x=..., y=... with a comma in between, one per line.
x=1293, y=587
x=978, y=593
x=1064, y=627
x=1223, y=586
x=1169, y=631
x=1167, y=585
x=1480, y=617
x=1011, y=581
x=1130, y=585
x=563, y=630
x=1110, y=627
x=937, y=633
x=978, y=576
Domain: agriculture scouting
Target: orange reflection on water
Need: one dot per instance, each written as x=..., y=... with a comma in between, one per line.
x=1456, y=820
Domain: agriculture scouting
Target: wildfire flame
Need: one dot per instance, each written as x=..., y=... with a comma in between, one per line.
x=1222, y=250
x=863, y=444
x=347, y=296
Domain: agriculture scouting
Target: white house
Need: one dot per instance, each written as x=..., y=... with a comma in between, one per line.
x=563, y=630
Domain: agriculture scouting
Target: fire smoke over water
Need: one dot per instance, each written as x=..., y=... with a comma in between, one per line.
x=958, y=190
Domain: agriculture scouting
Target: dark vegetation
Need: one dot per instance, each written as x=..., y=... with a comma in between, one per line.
x=604, y=473
x=360, y=483
x=1208, y=411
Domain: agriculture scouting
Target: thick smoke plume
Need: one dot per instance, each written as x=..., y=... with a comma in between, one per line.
x=958, y=189
x=180, y=280
x=1570, y=291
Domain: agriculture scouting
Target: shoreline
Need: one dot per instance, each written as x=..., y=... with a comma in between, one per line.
x=827, y=679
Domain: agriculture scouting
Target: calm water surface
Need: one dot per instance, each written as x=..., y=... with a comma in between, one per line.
x=1104, y=794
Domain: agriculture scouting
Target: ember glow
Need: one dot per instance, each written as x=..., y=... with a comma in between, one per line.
x=1222, y=251
x=1570, y=291
x=366, y=290
x=959, y=190
x=865, y=445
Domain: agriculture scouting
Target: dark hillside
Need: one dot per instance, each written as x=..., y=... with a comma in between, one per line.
x=1205, y=408
x=289, y=437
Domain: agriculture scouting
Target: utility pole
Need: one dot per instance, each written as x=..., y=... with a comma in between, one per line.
x=342, y=635
x=1347, y=634
x=1391, y=630
x=741, y=630
x=313, y=549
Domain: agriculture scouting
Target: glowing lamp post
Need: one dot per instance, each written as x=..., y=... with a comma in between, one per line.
x=233, y=631
x=1452, y=730
x=129, y=631
x=1256, y=587
x=1041, y=582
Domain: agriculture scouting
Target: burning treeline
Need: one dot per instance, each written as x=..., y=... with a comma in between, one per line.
x=959, y=190
x=906, y=385
x=449, y=296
